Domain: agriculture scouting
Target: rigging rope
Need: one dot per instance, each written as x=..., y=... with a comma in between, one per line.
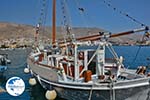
x=43, y=11
x=66, y=22
x=123, y=13
x=87, y=19
x=146, y=35
x=81, y=12
x=41, y=20
x=66, y=18
x=108, y=3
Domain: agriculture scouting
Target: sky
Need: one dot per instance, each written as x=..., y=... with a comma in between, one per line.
x=96, y=13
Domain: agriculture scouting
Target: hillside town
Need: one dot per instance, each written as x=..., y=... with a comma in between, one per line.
x=19, y=35
x=28, y=42
x=16, y=43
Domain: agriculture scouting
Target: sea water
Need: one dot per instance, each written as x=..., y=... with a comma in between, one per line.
x=134, y=56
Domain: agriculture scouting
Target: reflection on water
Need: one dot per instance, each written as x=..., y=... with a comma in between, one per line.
x=18, y=58
x=37, y=93
x=2, y=80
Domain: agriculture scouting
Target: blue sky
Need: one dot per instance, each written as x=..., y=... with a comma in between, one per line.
x=96, y=13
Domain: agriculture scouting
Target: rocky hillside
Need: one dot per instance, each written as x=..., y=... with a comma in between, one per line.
x=11, y=30
x=15, y=31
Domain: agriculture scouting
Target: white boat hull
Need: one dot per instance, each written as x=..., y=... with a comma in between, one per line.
x=121, y=90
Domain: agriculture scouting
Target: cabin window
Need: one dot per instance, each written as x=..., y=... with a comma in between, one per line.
x=92, y=65
x=52, y=61
x=49, y=53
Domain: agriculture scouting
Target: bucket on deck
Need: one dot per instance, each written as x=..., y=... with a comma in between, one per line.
x=87, y=75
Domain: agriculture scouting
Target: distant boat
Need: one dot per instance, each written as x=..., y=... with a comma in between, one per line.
x=78, y=68
x=148, y=58
x=4, y=61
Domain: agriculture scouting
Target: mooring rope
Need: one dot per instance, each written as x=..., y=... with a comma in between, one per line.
x=112, y=91
x=91, y=92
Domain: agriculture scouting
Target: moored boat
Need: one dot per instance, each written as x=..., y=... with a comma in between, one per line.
x=4, y=61
x=79, y=68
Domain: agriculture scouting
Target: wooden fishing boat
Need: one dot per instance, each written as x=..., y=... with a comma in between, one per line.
x=79, y=68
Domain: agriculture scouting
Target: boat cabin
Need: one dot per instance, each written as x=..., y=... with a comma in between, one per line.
x=84, y=59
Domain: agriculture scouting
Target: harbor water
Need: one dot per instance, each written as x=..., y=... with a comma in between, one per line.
x=134, y=56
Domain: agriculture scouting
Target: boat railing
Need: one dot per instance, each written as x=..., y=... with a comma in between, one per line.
x=135, y=82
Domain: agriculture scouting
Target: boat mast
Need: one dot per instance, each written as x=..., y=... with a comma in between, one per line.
x=54, y=23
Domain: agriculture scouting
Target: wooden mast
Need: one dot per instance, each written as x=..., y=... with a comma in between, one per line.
x=54, y=23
